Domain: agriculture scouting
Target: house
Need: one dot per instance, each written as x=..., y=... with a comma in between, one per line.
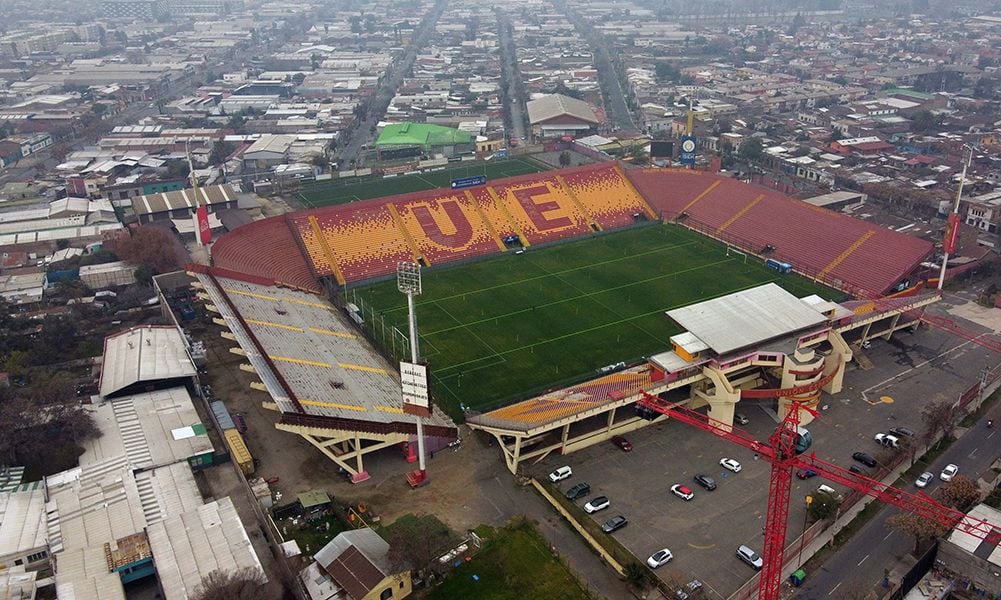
x=355, y=566
x=983, y=211
x=977, y=558
x=556, y=115
x=866, y=146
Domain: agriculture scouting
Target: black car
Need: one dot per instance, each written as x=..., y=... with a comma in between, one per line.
x=578, y=491
x=857, y=469
x=865, y=459
x=706, y=481
x=898, y=431
x=614, y=524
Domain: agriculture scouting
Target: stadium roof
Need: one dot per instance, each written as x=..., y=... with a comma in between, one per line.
x=421, y=134
x=143, y=354
x=186, y=198
x=556, y=105
x=747, y=317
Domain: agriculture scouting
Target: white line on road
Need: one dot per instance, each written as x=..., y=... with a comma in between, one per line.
x=834, y=589
x=862, y=561
x=970, y=455
x=888, y=535
x=917, y=366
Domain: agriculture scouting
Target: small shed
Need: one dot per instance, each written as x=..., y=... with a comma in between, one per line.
x=314, y=503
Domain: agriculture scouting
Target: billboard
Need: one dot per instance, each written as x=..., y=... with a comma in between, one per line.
x=951, y=233
x=204, y=230
x=661, y=149
x=414, y=381
x=465, y=182
x=687, y=154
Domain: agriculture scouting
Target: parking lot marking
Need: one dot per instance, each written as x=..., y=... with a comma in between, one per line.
x=833, y=589
x=888, y=535
x=862, y=561
x=698, y=547
x=917, y=366
x=970, y=455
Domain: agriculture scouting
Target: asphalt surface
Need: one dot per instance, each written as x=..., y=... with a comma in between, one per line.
x=876, y=546
x=363, y=132
x=911, y=370
x=512, y=75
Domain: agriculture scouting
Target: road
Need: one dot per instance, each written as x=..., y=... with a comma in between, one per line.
x=363, y=131
x=618, y=113
x=877, y=547
x=511, y=75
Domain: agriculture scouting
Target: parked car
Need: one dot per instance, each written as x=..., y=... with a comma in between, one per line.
x=560, y=474
x=865, y=459
x=924, y=479
x=730, y=464
x=682, y=492
x=887, y=440
x=826, y=489
x=948, y=472
x=859, y=470
x=614, y=524
x=694, y=585
x=806, y=473
x=741, y=419
x=597, y=503
x=578, y=491
x=680, y=594
x=706, y=481
x=622, y=443
x=750, y=557
x=902, y=431
x=659, y=558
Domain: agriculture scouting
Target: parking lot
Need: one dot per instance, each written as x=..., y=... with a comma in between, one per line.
x=909, y=371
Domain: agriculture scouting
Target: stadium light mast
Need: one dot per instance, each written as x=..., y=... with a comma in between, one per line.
x=413, y=376
x=952, y=230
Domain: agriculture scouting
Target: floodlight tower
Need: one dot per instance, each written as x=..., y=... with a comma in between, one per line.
x=408, y=281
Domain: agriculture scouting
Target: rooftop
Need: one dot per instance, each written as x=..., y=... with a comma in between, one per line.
x=183, y=199
x=143, y=354
x=357, y=560
x=420, y=134
x=988, y=549
x=22, y=521
x=748, y=317
x=555, y=105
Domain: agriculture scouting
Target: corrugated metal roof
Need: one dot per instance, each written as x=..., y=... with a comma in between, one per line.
x=143, y=354
x=746, y=318
x=555, y=105
x=189, y=546
x=21, y=521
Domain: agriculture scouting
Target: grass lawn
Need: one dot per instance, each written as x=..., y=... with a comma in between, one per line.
x=340, y=191
x=509, y=327
x=515, y=564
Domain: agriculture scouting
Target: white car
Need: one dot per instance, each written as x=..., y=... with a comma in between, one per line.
x=659, y=558
x=730, y=464
x=596, y=504
x=560, y=474
x=682, y=492
x=948, y=472
x=924, y=479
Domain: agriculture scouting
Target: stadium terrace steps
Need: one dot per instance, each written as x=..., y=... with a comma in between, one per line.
x=810, y=238
x=446, y=227
x=361, y=235
x=607, y=196
x=265, y=249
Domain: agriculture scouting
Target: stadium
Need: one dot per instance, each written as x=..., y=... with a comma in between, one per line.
x=551, y=299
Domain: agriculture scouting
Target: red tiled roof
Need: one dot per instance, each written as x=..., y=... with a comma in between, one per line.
x=355, y=573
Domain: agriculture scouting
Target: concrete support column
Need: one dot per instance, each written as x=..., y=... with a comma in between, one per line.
x=723, y=400
x=865, y=332
x=843, y=354
x=611, y=420
x=892, y=327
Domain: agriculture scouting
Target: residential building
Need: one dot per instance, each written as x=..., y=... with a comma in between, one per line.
x=556, y=115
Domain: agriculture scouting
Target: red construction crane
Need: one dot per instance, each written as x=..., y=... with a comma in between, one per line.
x=781, y=451
x=956, y=329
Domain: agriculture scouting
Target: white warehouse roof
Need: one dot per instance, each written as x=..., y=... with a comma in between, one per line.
x=143, y=354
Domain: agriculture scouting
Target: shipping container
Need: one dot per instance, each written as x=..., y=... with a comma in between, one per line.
x=238, y=451
x=221, y=415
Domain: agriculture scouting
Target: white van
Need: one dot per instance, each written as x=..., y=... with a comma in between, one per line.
x=560, y=474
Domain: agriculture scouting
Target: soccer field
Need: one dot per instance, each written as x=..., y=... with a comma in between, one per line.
x=352, y=189
x=507, y=328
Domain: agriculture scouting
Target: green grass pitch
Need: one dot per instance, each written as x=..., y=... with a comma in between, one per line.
x=504, y=329
x=341, y=191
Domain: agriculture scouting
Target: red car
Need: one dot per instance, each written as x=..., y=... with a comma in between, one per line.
x=622, y=443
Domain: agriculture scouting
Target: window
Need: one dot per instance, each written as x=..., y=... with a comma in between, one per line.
x=37, y=556
x=386, y=594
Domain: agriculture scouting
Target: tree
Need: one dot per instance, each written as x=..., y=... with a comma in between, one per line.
x=415, y=542
x=751, y=149
x=99, y=109
x=939, y=417
x=920, y=528
x=823, y=506
x=924, y=121
x=247, y=583
x=666, y=71
x=961, y=493
x=220, y=152
x=565, y=159
x=148, y=245
x=637, y=575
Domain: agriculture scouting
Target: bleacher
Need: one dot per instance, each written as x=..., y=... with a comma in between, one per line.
x=265, y=249
x=606, y=195
x=551, y=203
x=446, y=225
x=841, y=250
x=364, y=240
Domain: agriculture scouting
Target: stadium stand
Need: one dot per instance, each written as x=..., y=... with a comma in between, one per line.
x=606, y=195
x=265, y=249
x=541, y=208
x=848, y=253
x=362, y=236
x=446, y=225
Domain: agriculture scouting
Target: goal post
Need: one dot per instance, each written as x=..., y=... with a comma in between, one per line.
x=731, y=250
